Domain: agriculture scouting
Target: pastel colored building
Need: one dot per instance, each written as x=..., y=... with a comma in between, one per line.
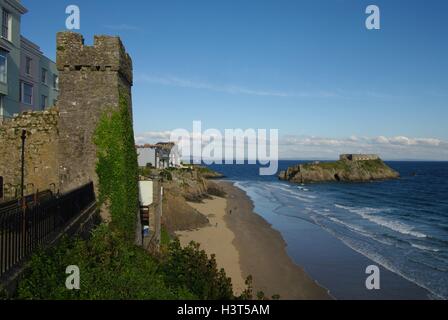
x=28, y=79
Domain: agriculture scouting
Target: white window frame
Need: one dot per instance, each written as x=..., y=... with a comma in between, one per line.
x=2, y=105
x=7, y=14
x=5, y=55
x=22, y=95
x=44, y=80
x=55, y=82
x=42, y=99
x=30, y=60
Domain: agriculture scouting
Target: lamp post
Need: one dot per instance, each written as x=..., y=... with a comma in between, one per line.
x=22, y=182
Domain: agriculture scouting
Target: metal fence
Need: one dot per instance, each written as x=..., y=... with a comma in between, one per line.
x=26, y=225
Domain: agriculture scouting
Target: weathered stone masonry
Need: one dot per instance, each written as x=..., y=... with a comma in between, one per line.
x=41, y=166
x=90, y=81
x=60, y=152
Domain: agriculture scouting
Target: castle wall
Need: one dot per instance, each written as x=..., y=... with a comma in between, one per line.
x=60, y=149
x=91, y=78
x=41, y=166
x=358, y=157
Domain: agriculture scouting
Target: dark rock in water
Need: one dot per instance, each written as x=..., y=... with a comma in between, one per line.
x=339, y=171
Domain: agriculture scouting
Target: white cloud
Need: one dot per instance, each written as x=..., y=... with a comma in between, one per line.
x=185, y=83
x=396, y=147
x=152, y=137
x=175, y=81
x=312, y=147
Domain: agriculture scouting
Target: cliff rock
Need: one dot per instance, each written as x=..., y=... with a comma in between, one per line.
x=339, y=171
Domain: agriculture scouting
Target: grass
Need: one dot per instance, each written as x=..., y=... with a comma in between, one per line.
x=370, y=165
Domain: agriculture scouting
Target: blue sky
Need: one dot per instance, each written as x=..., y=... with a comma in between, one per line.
x=308, y=68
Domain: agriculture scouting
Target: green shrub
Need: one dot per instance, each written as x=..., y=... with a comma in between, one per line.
x=145, y=171
x=191, y=268
x=113, y=268
x=110, y=268
x=166, y=175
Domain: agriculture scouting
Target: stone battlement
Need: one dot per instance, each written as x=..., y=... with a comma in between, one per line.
x=106, y=54
x=358, y=157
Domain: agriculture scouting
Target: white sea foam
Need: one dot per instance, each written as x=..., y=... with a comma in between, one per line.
x=297, y=195
x=418, y=246
x=397, y=226
x=349, y=225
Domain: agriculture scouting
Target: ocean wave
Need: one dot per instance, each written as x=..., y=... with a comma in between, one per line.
x=397, y=226
x=297, y=195
x=418, y=246
x=439, y=292
x=348, y=225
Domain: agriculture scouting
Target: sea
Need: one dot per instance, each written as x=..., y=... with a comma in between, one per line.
x=335, y=231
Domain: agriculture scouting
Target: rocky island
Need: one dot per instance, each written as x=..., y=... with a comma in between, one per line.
x=349, y=168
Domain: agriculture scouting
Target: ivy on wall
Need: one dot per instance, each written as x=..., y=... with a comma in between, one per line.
x=117, y=167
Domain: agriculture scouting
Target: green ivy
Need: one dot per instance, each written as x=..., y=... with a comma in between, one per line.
x=117, y=168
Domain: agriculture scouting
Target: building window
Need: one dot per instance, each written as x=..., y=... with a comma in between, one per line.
x=2, y=106
x=55, y=101
x=26, y=93
x=28, y=65
x=43, y=102
x=3, y=66
x=55, y=82
x=6, y=25
x=44, y=76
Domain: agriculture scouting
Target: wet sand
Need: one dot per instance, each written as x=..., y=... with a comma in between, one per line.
x=217, y=238
x=263, y=252
x=245, y=244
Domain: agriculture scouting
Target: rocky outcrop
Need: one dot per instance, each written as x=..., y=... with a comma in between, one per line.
x=186, y=186
x=339, y=171
x=178, y=215
x=208, y=173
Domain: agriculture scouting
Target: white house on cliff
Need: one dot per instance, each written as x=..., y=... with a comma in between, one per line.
x=160, y=155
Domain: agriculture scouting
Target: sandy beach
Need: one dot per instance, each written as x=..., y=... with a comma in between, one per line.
x=245, y=244
x=217, y=238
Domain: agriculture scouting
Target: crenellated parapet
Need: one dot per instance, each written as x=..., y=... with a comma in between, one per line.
x=106, y=54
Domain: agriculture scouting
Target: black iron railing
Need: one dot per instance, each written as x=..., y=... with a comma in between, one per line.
x=26, y=225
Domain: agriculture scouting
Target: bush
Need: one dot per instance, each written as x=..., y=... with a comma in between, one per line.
x=191, y=268
x=166, y=175
x=144, y=171
x=112, y=268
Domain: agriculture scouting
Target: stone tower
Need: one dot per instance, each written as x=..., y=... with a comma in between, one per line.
x=90, y=80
